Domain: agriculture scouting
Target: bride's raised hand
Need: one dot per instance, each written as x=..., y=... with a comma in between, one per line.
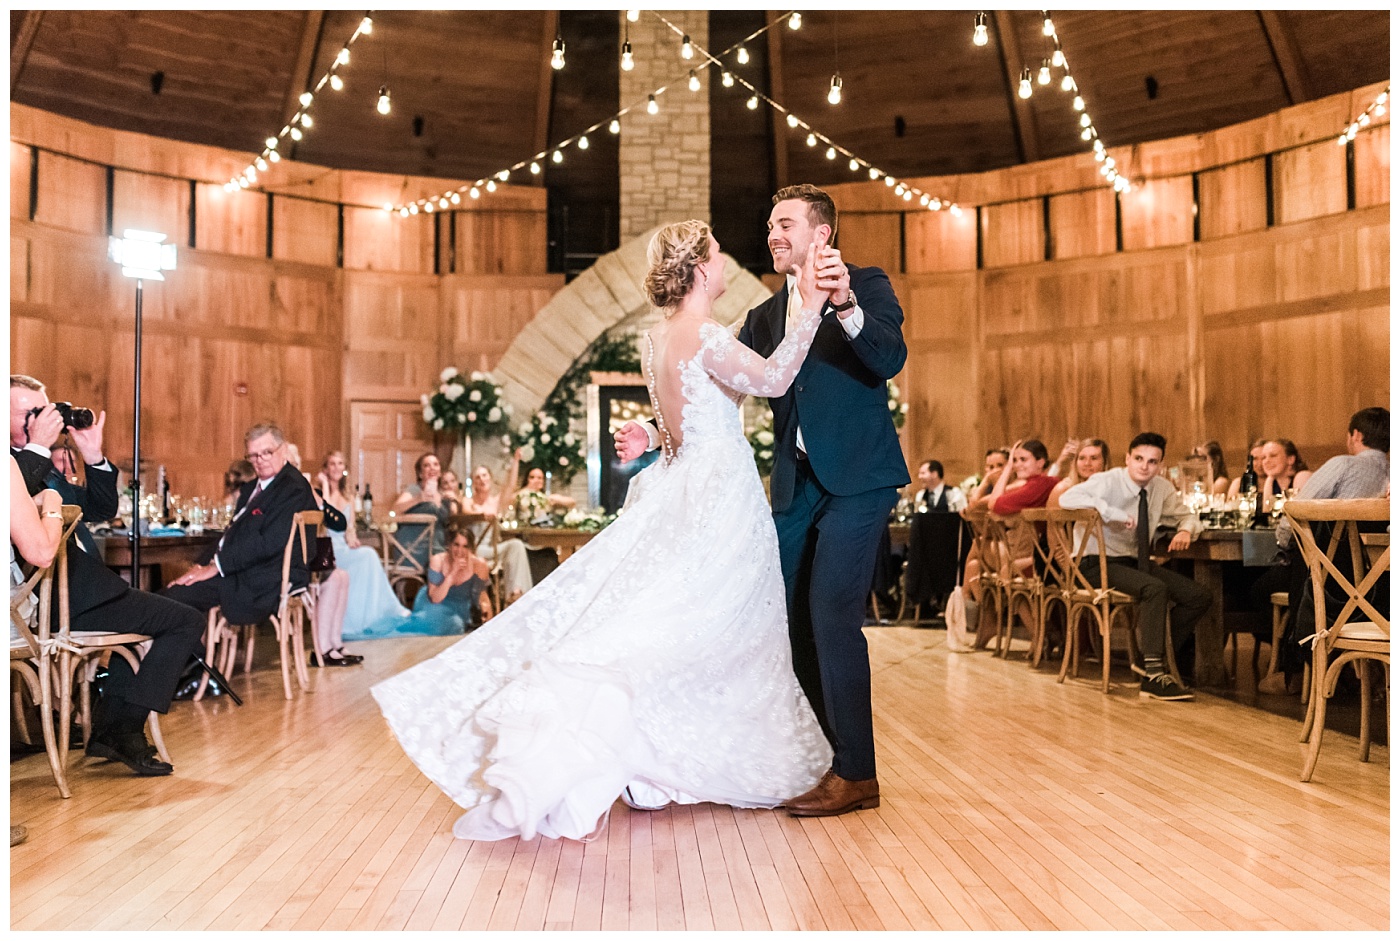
x=812, y=295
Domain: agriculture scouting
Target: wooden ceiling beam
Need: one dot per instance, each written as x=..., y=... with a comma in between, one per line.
x=1023, y=118
x=21, y=43
x=300, y=79
x=546, y=96
x=775, y=91
x=1291, y=67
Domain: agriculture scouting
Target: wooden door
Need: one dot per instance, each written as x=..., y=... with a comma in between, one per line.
x=385, y=439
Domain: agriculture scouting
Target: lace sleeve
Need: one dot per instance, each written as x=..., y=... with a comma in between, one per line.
x=735, y=365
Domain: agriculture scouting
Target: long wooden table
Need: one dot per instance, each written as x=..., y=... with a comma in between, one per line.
x=565, y=542
x=171, y=555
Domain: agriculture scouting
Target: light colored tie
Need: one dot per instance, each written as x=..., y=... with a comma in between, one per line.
x=794, y=310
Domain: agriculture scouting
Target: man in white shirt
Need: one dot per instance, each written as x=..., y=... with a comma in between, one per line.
x=1133, y=501
x=937, y=497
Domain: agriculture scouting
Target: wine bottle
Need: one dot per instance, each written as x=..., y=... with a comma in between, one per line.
x=1249, y=480
x=359, y=503
x=369, y=506
x=163, y=483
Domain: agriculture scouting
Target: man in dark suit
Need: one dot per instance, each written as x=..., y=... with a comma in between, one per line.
x=99, y=600
x=244, y=574
x=936, y=496
x=837, y=472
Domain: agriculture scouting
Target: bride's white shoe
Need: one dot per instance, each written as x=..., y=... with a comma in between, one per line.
x=638, y=802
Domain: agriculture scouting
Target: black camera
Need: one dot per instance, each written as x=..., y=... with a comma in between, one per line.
x=73, y=416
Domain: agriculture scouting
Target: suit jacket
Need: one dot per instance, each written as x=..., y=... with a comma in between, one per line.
x=839, y=396
x=90, y=582
x=250, y=553
x=936, y=506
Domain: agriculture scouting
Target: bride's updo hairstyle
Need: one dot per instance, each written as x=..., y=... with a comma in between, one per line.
x=674, y=254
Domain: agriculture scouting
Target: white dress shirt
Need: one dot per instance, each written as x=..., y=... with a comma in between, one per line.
x=1115, y=496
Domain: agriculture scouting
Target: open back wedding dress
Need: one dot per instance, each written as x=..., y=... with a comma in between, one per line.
x=657, y=657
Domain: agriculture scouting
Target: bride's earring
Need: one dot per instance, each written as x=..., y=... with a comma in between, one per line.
x=706, y=279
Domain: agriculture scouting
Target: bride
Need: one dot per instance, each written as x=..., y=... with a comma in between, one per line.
x=654, y=664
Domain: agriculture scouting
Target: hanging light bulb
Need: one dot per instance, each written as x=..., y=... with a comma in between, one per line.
x=694, y=83
x=854, y=164
x=811, y=140
x=899, y=190
x=337, y=82
x=306, y=120
x=687, y=51
x=742, y=56
x=261, y=164
x=271, y=143
x=652, y=106
x=1078, y=103
x=752, y=103
x=490, y=186
x=296, y=133
x=403, y=211
x=833, y=95
x=874, y=174
x=273, y=156
x=614, y=126
x=383, y=106
x=1086, y=133
x=243, y=183
x=1085, y=120
x=889, y=181
x=727, y=80
x=1383, y=97
x=535, y=167
x=908, y=195
x=474, y=193
x=429, y=206
x=1067, y=83
x=628, y=63
x=1025, y=89
x=456, y=198
x=795, y=21
x=1044, y=76
x=923, y=200
x=936, y=205
x=1049, y=26
x=558, y=156
x=251, y=175
x=442, y=202
x=556, y=58
x=1364, y=120
x=305, y=98
x=792, y=120
x=1380, y=111
x=956, y=210
x=1110, y=163
x=583, y=142
x=979, y=29
x=632, y=15
x=831, y=153
x=230, y=186
x=343, y=56
x=366, y=26
x=1098, y=146
x=503, y=175
x=1058, y=59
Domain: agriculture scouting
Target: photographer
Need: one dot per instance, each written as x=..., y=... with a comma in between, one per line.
x=99, y=600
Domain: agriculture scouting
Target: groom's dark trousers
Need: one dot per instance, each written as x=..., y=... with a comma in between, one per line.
x=831, y=502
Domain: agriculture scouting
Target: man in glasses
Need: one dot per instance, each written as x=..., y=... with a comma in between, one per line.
x=244, y=575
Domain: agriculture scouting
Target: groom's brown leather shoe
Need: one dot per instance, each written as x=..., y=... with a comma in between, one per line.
x=835, y=795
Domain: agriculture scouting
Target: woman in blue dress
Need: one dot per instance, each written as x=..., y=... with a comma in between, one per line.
x=455, y=598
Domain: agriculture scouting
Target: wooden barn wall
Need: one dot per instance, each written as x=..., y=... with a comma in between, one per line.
x=1199, y=304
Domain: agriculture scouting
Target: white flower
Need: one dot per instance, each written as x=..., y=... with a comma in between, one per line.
x=423, y=398
x=894, y=391
x=563, y=461
x=766, y=455
x=505, y=441
x=478, y=376
x=525, y=430
x=442, y=388
x=494, y=415
x=894, y=406
x=527, y=453
x=574, y=517
x=765, y=437
x=448, y=373
x=437, y=424
x=544, y=438
x=471, y=416
x=475, y=395
x=427, y=413
x=453, y=393
x=547, y=421
x=569, y=438
x=903, y=407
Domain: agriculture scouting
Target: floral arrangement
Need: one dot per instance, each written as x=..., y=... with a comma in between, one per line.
x=471, y=405
x=547, y=441
x=588, y=522
x=898, y=410
x=761, y=439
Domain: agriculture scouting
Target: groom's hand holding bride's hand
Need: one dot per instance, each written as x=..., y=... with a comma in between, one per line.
x=833, y=277
x=630, y=442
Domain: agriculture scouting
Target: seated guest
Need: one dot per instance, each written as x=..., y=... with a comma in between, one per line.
x=455, y=596
x=424, y=497
x=451, y=489
x=1091, y=458
x=239, y=472
x=993, y=463
x=1256, y=456
x=1363, y=472
x=368, y=596
x=244, y=575
x=511, y=554
x=1284, y=468
x=532, y=504
x=1214, y=455
x=935, y=496
x=1059, y=467
x=1134, y=500
x=99, y=599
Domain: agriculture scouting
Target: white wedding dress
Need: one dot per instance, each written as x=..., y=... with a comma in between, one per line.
x=655, y=659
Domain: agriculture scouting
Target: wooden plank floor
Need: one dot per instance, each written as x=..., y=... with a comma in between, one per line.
x=1010, y=802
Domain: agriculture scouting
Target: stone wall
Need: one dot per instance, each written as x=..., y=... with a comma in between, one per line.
x=664, y=159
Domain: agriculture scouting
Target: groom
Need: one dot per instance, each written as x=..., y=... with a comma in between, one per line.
x=837, y=472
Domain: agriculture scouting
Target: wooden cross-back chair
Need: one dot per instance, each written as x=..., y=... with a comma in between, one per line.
x=295, y=609
x=1052, y=584
x=1358, y=632
x=1068, y=536
x=991, y=588
x=49, y=659
x=406, y=558
x=1018, y=586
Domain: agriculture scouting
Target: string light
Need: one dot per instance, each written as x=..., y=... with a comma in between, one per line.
x=337, y=83
x=694, y=82
x=296, y=133
x=792, y=120
x=614, y=126
x=652, y=106
x=305, y=98
x=628, y=64
x=556, y=58
x=582, y=145
x=366, y=25
x=490, y=188
x=831, y=153
x=811, y=140
x=687, y=51
x=1025, y=87
x=1376, y=109
x=752, y=103
x=727, y=79
x=1049, y=27
x=742, y=56
x=343, y=57
x=474, y=193
x=456, y=199
x=1058, y=59
x=854, y=164
x=535, y=167
x=503, y=175
x=632, y=15
x=1044, y=77
x=834, y=95
x=1067, y=83
x=383, y=106
x=795, y=21
x=979, y=29
x=558, y=156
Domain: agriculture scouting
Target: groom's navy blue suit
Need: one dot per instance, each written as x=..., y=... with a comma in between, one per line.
x=831, y=504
